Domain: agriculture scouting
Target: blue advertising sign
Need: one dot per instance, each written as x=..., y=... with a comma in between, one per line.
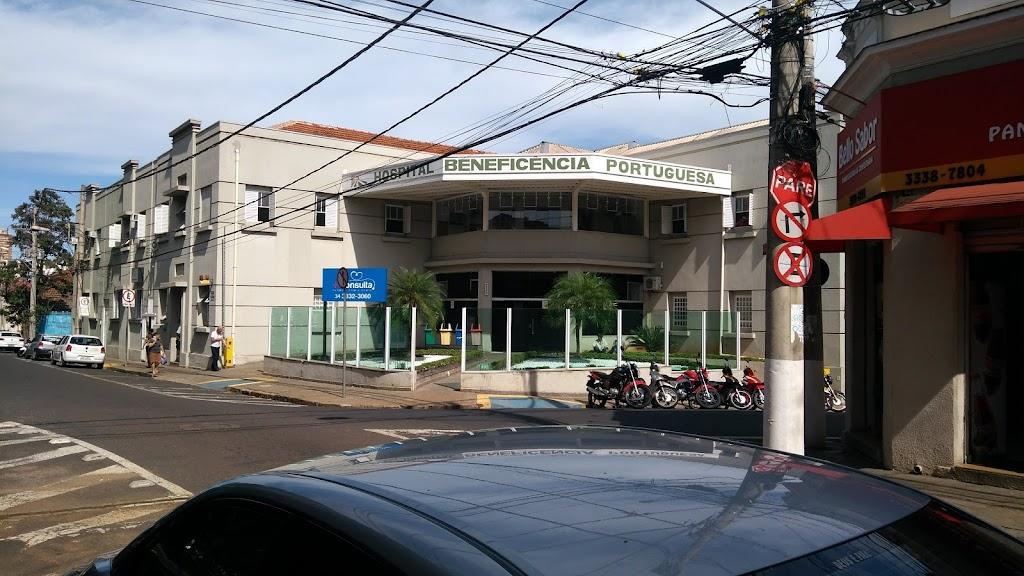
x=364, y=285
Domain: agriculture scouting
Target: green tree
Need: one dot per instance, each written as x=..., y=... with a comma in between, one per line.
x=408, y=288
x=589, y=297
x=648, y=335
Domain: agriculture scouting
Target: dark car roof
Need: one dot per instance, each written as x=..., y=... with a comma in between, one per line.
x=591, y=500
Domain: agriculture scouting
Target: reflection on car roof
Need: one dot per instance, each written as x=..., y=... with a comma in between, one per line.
x=591, y=500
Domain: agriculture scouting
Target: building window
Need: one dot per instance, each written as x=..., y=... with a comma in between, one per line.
x=265, y=205
x=395, y=219
x=741, y=209
x=520, y=210
x=679, y=313
x=202, y=210
x=320, y=211
x=679, y=219
x=743, y=303
x=614, y=214
x=460, y=214
x=318, y=299
x=203, y=308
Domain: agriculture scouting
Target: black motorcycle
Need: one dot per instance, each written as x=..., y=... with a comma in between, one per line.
x=691, y=386
x=623, y=385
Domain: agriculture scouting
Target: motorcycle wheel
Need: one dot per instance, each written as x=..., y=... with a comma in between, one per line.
x=740, y=400
x=708, y=398
x=638, y=397
x=837, y=403
x=759, y=400
x=594, y=401
x=665, y=397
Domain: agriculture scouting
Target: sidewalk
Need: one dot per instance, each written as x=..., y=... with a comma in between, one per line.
x=252, y=381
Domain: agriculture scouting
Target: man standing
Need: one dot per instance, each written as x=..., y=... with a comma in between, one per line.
x=216, y=340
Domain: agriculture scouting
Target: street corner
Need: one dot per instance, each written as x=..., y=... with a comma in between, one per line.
x=522, y=402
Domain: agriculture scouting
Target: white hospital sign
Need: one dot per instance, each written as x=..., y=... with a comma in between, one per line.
x=546, y=167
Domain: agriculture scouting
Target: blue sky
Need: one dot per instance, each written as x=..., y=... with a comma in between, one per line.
x=88, y=85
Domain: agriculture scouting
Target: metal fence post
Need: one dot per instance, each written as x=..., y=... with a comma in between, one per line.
x=667, y=320
x=288, y=334
x=412, y=340
x=387, y=338
x=738, y=317
x=462, y=363
x=618, y=336
x=270, y=331
x=508, y=339
x=568, y=336
x=309, y=333
x=359, y=342
x=334, y=324
x=704, y=338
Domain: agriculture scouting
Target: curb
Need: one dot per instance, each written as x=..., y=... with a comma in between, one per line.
x=237, y=389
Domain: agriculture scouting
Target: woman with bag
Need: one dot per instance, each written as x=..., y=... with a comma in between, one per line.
x=154, y=352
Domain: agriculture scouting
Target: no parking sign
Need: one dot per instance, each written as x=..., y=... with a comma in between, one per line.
x=793, y=264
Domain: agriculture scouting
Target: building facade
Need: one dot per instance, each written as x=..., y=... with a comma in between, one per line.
x=931, y=198
x=678, y=225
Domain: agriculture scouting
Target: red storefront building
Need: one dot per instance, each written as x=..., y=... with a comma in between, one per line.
x=931, y=221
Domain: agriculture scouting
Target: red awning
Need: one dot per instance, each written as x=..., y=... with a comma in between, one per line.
x=872, y=221
x=962, y=203
x=865, y=222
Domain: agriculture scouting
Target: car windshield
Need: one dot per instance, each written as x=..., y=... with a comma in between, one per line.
x=86, y=341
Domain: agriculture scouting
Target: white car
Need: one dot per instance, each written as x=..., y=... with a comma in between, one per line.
x=11, y=341
x=79, y=349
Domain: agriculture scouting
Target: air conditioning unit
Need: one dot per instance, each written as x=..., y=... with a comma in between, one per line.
x=652, y=283
x=92, y=234
x=134, y=219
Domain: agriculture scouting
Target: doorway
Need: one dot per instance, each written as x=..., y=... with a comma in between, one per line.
x=995, y=386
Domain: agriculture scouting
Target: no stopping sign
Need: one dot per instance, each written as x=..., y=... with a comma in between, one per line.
x=793, y=264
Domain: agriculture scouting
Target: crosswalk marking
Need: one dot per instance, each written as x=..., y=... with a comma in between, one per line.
x=62, y=487
x=42, y=456
x=122, y=517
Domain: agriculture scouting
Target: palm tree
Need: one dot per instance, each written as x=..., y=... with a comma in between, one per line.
x=589, y=296
x=408, y=288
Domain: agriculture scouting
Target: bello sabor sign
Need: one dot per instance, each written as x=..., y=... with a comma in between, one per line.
x=546, y=167
x=948, y=131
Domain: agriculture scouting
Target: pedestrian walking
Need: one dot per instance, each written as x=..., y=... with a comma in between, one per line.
x=216, y=341
x=154, y=352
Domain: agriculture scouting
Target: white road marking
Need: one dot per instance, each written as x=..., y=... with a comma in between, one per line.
x=140, y=484
x=42, y=456
x=407, y=433
x=121, y=516
x=26, y=440
x=82, y=446
x=63, y=487
x=92, y=457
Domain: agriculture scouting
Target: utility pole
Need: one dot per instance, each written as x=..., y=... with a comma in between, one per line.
x=35, y=229
x=790, y=138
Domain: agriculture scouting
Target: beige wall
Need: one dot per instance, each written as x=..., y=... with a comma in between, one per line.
x=923, y=351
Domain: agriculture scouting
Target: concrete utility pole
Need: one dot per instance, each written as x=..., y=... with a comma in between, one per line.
x=784, y=305
x=814, y=353
x=35, y=229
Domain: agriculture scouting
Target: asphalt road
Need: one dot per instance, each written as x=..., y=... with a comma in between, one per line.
x=88, y=458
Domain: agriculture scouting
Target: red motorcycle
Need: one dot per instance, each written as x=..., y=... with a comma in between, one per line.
x=755, y=386
x=623, y=385
x=733, y=392
x=699, y=389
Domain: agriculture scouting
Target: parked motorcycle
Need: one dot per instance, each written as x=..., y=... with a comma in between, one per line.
x=834, y=400
x=692, y=386
x=755, y=386
x=732, y=391
x=623, y=385
x=665, y=391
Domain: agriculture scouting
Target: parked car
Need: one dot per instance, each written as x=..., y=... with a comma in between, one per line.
x=40, y=346
x=565, y=500
x=11, y=341
x=79, y=349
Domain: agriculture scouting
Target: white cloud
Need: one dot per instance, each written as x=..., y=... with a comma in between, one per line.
x=108, y=80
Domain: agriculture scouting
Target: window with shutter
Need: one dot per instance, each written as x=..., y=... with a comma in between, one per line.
x=394, y=219
x=320, y=211
x=160, y=218
x=114, y=235
x=331, y=214
x=251, y=198
x=741, y=209
x=728, y=221
x=139, y=232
